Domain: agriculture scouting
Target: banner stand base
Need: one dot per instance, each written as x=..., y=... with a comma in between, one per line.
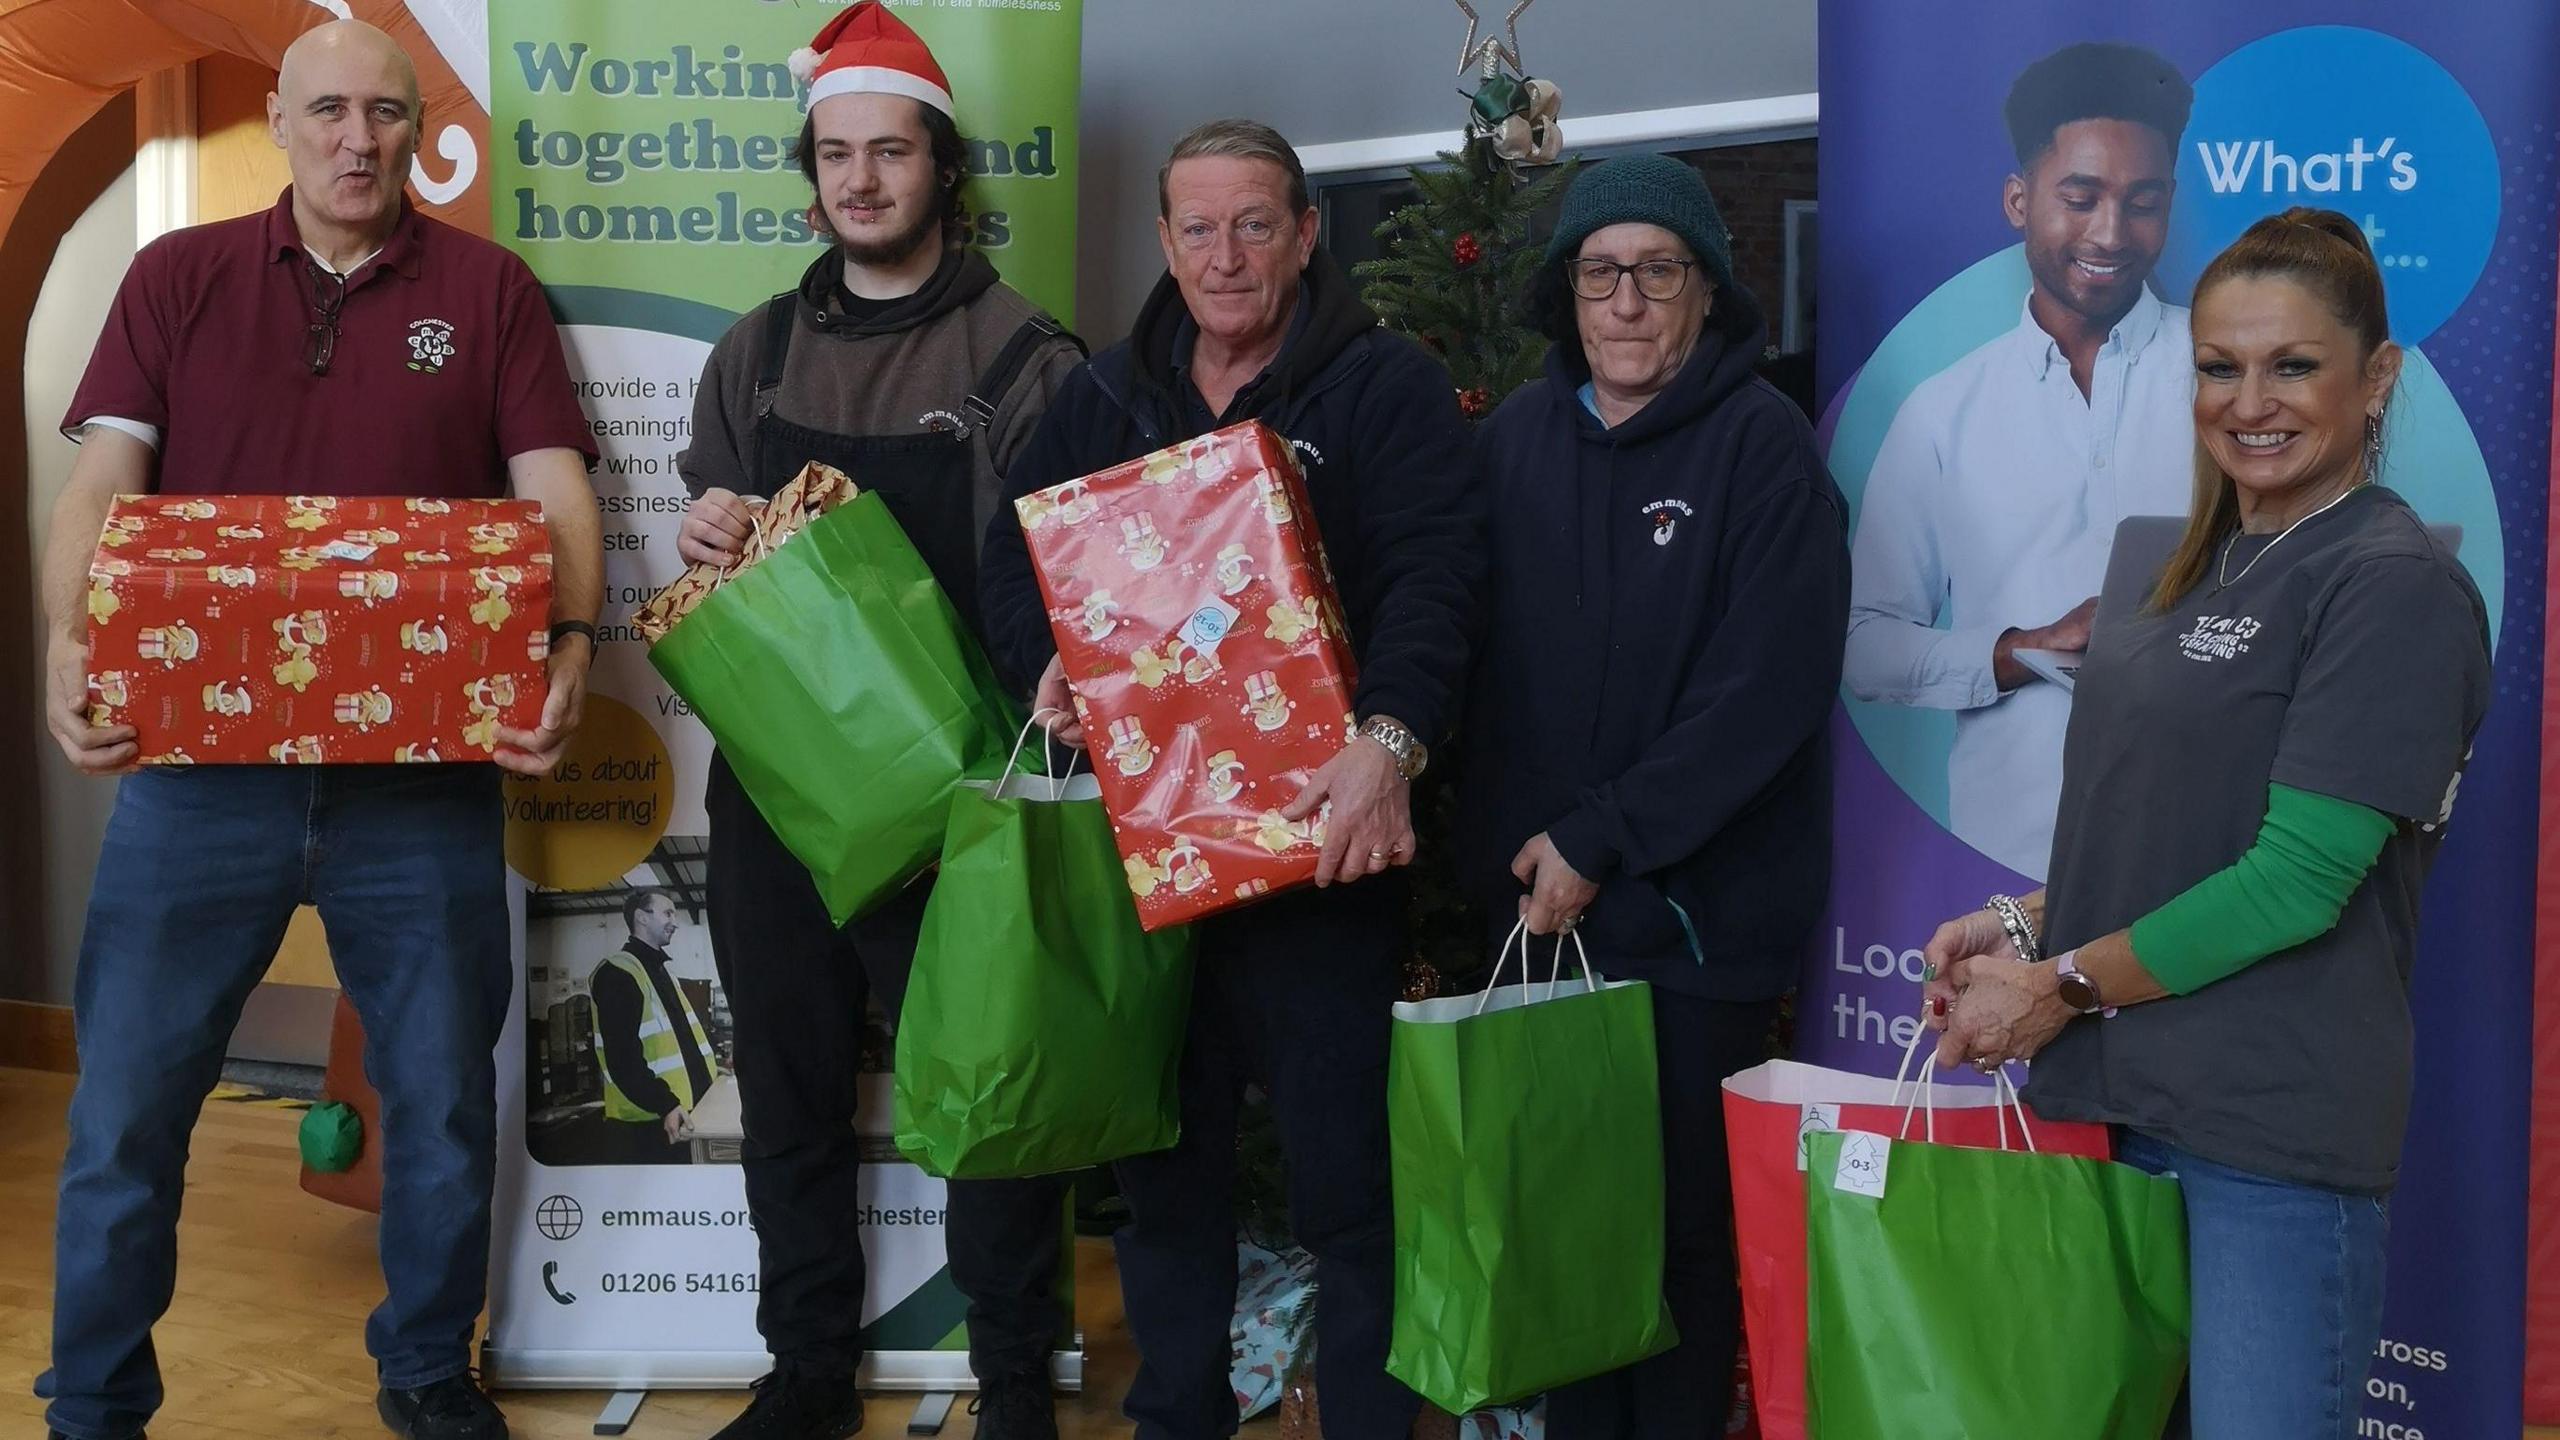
x=931, y=1411
x=618, y=1412
x=636, y=1372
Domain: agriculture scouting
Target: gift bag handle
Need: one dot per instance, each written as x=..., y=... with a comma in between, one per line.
x=1924, y=1096
x=1520, y=935
x=1049, y=750
x=754, y=548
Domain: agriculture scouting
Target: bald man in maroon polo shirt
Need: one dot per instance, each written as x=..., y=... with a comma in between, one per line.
x=341, y=343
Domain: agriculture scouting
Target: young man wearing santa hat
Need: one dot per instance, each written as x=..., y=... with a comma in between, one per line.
x=904, y=361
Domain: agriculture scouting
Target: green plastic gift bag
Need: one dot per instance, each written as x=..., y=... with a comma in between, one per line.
x=1958, y=1294
x=331, y=1138
x=1524, y=1127
x=1042, y=1029
x=847, y=695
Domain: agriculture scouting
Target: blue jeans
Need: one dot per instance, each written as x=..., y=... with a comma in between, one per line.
x=2287, y=1281
x=200, y=873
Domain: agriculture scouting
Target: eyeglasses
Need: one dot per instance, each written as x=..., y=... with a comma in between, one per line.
x=1655, y=279
x=328, y=293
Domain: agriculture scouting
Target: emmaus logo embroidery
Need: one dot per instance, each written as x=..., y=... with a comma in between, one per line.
x=1665, y=516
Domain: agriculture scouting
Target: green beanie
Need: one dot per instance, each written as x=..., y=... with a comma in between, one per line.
x=332, y=1137
x=1652, y=189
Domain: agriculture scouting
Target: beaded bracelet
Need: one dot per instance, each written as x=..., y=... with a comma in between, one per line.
x=2013, y=919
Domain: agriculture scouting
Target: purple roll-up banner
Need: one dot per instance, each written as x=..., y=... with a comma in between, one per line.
x=2437, y=127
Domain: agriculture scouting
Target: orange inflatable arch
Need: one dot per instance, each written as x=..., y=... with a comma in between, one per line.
x=60, y=60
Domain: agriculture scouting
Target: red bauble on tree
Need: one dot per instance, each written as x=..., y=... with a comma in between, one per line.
x=1475, y=404
x=1466, y=251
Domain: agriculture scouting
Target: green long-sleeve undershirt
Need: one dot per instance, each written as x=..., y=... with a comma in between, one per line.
x=2311, y=853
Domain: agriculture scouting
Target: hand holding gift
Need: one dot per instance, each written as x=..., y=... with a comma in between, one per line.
x=91, y=748
x=724, y=533
x=715, y=529
x=1055, y=704
x=537, y=751
x=1558, y=893
x=1367, y=804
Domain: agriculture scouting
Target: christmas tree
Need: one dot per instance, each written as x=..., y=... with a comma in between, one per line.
x=1459, y=259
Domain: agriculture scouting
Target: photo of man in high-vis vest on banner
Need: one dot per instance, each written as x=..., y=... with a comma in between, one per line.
x=657, y=1058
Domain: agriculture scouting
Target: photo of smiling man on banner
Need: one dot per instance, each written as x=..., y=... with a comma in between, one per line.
x=1994, y=500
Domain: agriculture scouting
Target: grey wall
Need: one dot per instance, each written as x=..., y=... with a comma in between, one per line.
x=1330, y=70
x=69, y=311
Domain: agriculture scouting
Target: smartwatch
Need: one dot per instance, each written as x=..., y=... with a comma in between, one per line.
x=2077, y=990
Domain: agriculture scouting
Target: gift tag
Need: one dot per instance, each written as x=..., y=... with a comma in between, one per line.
x=1207, y=626
x=1812, y=1118
x=1863, y=1158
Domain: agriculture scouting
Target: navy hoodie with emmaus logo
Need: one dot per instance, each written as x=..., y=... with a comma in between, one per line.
x=1668, y=601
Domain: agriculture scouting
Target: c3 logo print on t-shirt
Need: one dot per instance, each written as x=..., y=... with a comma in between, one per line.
x=2218, y=637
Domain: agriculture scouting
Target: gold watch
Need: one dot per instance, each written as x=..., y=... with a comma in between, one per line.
x=1411, y=755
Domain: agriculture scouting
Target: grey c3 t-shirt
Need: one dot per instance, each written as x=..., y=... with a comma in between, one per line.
x=2349, y=659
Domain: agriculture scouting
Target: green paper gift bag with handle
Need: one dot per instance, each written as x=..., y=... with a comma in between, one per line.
x=847, y=695
x=1524, y=1129
x=1042, y=1029
x=1958, y=1293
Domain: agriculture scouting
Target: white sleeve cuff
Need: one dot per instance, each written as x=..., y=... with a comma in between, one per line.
x=1967, y=658
x=147, y=434
x=1893, y=661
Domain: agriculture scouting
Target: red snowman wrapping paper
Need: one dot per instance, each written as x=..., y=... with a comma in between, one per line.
x=1197, y=619
x=313, y=629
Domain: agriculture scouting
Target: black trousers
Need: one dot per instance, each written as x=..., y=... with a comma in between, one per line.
x=797, y=986
x=1297, y=993
x=1684, y=1392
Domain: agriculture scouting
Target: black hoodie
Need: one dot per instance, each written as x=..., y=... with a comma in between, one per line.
x=903, y=370
x=1376, y=426
x=1665, y=620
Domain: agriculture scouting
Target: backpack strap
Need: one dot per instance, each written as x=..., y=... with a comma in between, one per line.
x=779, y=313
x=992, y=387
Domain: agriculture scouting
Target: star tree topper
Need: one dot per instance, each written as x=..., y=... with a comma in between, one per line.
x=1492, y=53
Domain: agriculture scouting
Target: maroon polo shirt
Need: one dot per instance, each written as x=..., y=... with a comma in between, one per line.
x=446, y=364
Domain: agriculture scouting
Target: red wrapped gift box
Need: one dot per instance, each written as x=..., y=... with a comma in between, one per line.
x=1193, y=607
x=307, y=629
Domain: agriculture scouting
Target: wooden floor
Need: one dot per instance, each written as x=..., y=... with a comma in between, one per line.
x=265, y=1339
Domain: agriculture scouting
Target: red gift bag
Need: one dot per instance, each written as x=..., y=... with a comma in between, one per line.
x=1768, y=1110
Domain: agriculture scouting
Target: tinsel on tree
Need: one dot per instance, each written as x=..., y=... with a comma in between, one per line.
x=1458, y=261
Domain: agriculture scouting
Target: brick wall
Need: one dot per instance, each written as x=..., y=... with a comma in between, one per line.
x=1752, y=185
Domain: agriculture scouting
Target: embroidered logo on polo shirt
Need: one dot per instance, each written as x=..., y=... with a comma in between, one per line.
x=430, y=345
x=943, y=422
x=2218, y=637
x=1666, y=516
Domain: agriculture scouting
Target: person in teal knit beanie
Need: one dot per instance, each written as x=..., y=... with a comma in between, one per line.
x=1648, y=763
x=1656, y=190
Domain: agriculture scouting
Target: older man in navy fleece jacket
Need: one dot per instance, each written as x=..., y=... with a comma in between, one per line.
x=1256, y=322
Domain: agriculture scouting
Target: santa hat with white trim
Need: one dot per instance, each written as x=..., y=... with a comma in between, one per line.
x=868, y=51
